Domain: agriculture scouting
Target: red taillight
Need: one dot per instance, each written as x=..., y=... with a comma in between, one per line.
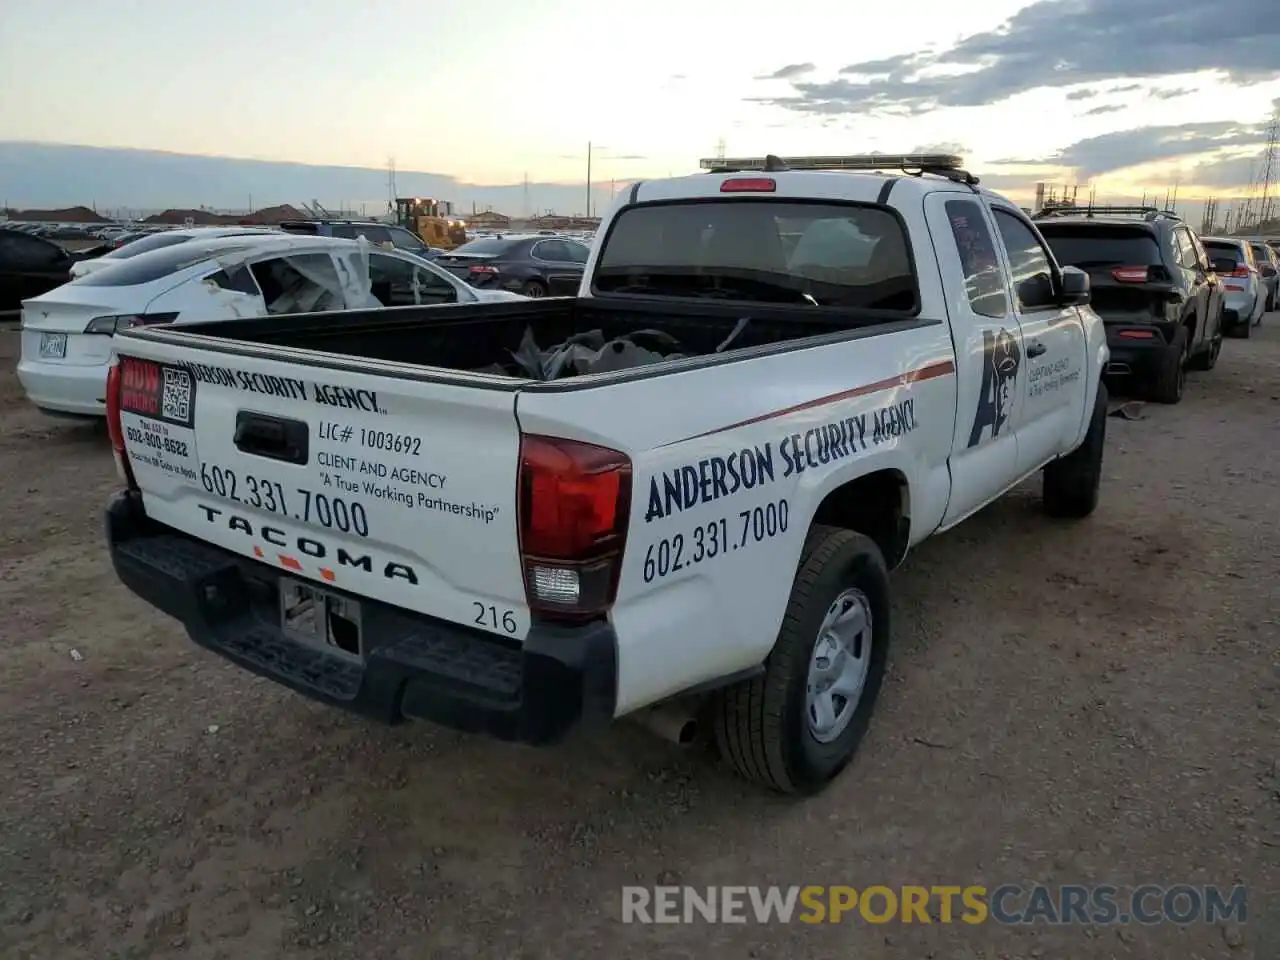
x=1137, y=334
x=485, y=270
x=1244, y=270
x=115, y=428
x=574, y=504
x=749, y=185
x=1130, y=274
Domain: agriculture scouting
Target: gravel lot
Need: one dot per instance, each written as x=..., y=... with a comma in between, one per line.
x=1091, y=703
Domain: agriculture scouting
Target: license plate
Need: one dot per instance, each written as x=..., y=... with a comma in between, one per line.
x=53, y=346
x=321, y=619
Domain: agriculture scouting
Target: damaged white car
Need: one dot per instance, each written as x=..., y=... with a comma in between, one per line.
x=66, y=333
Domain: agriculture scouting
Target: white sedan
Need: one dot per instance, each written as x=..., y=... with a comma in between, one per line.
x=66, y=333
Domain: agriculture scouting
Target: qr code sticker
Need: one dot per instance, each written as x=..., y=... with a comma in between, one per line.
x=175, y=402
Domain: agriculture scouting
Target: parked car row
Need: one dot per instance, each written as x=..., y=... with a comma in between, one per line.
x=1166, y=296
x=208, y=274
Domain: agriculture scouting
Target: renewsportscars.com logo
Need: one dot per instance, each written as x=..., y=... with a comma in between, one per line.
x=1004, y=904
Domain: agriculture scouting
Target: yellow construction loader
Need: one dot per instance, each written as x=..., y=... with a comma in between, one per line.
x=433, y=220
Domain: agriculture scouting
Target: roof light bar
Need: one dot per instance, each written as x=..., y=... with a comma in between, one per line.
x=857, y=161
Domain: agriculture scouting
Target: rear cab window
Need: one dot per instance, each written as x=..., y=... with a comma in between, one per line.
x=762, y=250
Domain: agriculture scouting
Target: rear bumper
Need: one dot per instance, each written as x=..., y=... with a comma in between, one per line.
x=79, y=389
x=1137, y=348
x=414, y=667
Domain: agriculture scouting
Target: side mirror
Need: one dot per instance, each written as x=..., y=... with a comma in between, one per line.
x=1074, y=289
x=1224, y=265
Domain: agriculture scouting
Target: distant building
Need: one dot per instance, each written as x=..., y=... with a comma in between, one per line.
x=552, y=221
x=488, y=220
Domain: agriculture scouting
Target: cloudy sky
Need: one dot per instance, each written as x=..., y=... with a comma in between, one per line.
x=1129, y=94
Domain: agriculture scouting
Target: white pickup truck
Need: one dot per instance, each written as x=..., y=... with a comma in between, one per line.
x=778, y=377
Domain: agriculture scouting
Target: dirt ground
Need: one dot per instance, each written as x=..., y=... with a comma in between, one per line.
x=1089, y=703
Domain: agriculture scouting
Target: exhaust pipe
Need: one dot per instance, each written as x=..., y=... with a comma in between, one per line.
x=673, y=721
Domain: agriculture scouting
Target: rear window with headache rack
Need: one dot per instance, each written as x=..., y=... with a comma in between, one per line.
x=763, y=251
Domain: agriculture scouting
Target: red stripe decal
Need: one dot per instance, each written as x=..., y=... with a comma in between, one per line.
x=943, y=368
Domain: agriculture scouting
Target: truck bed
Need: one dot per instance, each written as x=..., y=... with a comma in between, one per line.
x=483, y=337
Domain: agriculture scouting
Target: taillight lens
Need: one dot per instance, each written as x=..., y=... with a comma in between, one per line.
x=483, y=270
x=115, y=428
x=108, y=326
x=749, y=185
x=1244, y=270
x=574, y=504
x=1130, y=274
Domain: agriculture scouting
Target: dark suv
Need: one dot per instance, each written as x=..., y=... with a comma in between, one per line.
x=398, y=237
x=1153, y=285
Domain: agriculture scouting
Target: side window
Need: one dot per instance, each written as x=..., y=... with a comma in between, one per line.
x=238, y=278
x=404, y=240
x=983, y=278
x=28, y=253
x=302, y=283
x=554, y=250
x=343, y=231
x=374, y=234
x=399, y=283
x=1029, y=263
x=8, y=249
x=1186, y=250
x=578, y=253
x=1202, y=255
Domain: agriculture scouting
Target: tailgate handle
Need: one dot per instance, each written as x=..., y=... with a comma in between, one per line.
x=272, y=437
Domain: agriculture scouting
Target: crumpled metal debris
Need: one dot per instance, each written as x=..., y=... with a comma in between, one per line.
x=1128, y=410
x=590, y=352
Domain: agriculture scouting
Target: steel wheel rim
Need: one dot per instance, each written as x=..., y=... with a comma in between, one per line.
x=533, y=290
x=839, y=666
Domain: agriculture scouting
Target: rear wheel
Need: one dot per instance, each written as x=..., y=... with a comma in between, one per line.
x=1171, y=376
x=1208, y=359
x=1072, y=483
x=534, y=288
x=794, y=728
x=1240, y=330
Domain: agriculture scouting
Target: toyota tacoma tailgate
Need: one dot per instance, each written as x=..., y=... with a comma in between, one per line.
x=350, y=534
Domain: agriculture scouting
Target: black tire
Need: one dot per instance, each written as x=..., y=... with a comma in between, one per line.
x=1071, y=483
x=762, y=725
x=534, y=288
x=1208, y=359
x=1172, y=374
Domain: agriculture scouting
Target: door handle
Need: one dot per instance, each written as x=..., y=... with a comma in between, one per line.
x=1036, y=349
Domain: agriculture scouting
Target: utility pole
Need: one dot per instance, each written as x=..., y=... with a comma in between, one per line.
x=1269, y=169
x=588, y=178
x=1210, y=215
x=524, y=199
